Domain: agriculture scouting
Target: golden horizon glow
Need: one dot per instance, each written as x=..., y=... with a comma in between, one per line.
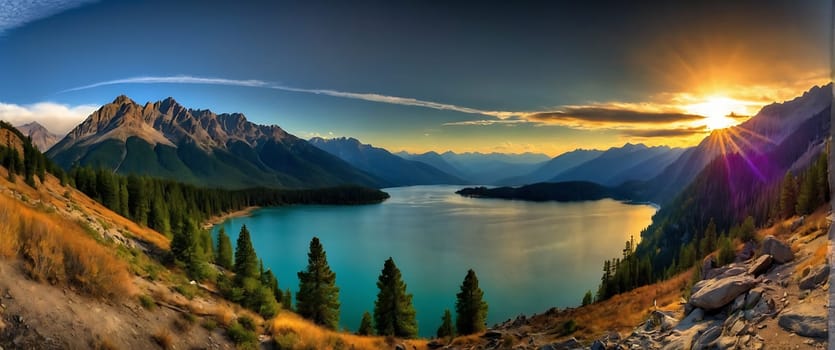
x=716, y=110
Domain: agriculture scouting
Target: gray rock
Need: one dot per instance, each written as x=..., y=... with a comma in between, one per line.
x=780, y=251
x=806, y=320
x=753, y=297
x=660, y=320
x=493, y=334
x=569, y=344
x=400, y=347
x=707, y=338
x=760, y=265
x=717, y=293
x=598, y=345
x=818, y=276
x=749, y=249
x=739, y=302
x=697, y=315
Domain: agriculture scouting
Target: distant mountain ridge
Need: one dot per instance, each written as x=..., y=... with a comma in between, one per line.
x=41, y=137
x=622, y=164
x=481, y=168
x=165, y=139
x=383, y=164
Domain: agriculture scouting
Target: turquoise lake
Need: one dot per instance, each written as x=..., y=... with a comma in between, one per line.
x=528, y=256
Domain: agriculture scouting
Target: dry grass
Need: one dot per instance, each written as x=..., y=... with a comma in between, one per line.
x=163, y=338
x=51, y=193
x=291, y=331
x=621, y=313
x=59, y=251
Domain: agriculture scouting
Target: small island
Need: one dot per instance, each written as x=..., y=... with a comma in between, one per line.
x=570, y=191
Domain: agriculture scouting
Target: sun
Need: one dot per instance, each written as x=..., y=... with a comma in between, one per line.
x=717, y=111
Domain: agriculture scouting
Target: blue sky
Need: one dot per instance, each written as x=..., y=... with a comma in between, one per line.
x=430, y=75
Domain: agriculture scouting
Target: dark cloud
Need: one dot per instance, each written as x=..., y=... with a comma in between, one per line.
x=665, y=132
x=611, y=115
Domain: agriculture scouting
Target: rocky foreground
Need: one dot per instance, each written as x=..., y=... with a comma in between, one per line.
x=774, y=296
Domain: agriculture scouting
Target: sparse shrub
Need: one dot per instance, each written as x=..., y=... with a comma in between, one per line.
x=147, y=302
x=287, y=340
x=187, y=290
x=507, y=341
x=247, y=322
x=238, y=334
x=164, y=339
x=568, y=327
x=209, y=324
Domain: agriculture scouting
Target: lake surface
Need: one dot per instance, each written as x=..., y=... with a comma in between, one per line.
x=528, y=256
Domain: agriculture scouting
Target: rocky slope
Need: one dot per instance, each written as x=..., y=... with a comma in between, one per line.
x=775, y=295
x=165, y=139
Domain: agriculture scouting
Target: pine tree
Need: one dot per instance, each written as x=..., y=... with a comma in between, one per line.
x=708, y=243
x=807, y=194
x=224, y=250
x=365, y=325
x=287, y=300
x=318, y=295
x=393, y=310
x=446, y=329
x=470, y=307
x=246, y=261
x=587, y=299
x=186, y=250
x=788, y=196
x=823, y=178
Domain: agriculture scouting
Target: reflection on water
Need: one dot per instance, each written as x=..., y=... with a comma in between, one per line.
x=528, y=256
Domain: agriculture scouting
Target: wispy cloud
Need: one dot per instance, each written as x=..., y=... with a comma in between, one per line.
x=16, y=13
x=58, y=118
x=372, y=97
x=592, y=114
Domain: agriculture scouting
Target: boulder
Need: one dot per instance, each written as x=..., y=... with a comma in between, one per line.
x=493, y=334
x=697, y=315
x=569, y=344
x=753, y=297
x=818, y=276
x=598, y=345
x=780, y=251
x=717, y=293
x=660, y=320
x=748, y=251
x=806, y=320
x=705, y=340
x=760, y=265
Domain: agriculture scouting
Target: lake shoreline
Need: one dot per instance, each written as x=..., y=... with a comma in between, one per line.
x=218, y=219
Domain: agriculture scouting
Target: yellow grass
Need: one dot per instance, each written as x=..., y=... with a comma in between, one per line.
x=51, y=193
x=293, y=332
x=58, y=250
x=163, y=338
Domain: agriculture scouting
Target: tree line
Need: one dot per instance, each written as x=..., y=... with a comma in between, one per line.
x=164, y=205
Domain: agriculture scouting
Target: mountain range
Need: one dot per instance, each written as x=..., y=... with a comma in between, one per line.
x=381, y=163
x=41, y=137
x=165, y=139
x=481, y=168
